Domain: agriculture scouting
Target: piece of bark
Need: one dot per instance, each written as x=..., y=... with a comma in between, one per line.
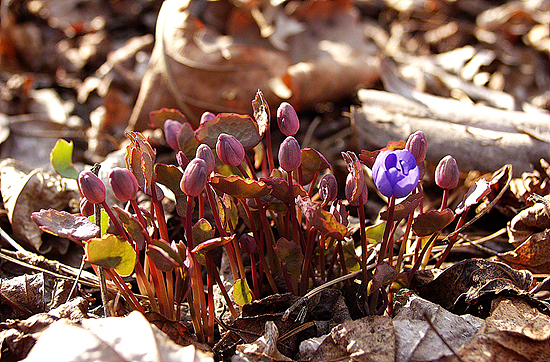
x=479, y=137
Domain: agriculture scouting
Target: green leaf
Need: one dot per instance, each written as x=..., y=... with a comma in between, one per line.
x=61, y=159
x=375, y=233
x=242, y=293
x=202, y=231
x=432, y=221
x=239, y=187
x=113, y=252
x=104, y=221
x=352, y=260
x=132, y=226
x=242, y=127
x=65, y=225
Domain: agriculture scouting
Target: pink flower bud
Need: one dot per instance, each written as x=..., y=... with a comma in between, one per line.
x=91, y=187
x=290, y=154
x=194, y=177
x=86, y=207
x=349, y=190
x=204, y=152
x=247, y=243
x=124, y=184
x=207, y=116
x=287, y=119
x=230, y=151
x=417, y=145
x=446, y=173
x=328, y=188
x=171, y=130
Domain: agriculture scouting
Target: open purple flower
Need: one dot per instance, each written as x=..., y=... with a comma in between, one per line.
x=395, y=173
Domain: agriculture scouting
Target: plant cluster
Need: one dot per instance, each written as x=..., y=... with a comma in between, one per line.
x=287, y=219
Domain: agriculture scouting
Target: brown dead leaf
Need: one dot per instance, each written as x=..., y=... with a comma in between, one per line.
x=22, y=296
x=195, y=67
x=515, y=331
x=470, y=285
x=367, y=340
x=527, y=222
x=25, y=191
x=533, y=254
x=264, y=348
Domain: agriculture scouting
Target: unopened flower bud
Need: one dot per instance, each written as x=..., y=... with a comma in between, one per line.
x=207, y=116
x=230, y=151
x=349, y=191
x=91, y=187
x=290, y=154
x=86, y=207
x=328, y=188
x=247, y=243
x=171, y=130
x=417, y=145
x=124, y=184
x=287, y=119
x=194, y=177
x=204, y=152
x=446, y=173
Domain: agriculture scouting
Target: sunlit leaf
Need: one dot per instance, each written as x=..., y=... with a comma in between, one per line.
x=404, y=208
x=239, y=187
x=104, y=221
x=61, y=159
x=113, y=252
x=432, y=221
x=132, y=225
x=313, y=162
x=163, y=256
x=279, y=188
x=321, y=219
x=242, y=127
x=352, y=260
x=242, y=293
x=213, y=243
x=478, y=191
x=202, y=231
x=160, y=116
x=63, y=224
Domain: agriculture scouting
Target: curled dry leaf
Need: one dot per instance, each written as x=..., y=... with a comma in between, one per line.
x=527, y=222
x=470, y=285
x=533, y=254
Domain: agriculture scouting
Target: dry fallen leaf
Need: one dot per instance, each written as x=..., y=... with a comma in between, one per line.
x=533, y=254
x=515, y=331
x=131, y=338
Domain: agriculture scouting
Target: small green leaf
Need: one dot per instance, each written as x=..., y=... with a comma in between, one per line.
x=375, y=233
x=352, y=260
x=61, y=159
x=202, y=231
x=113, y=252
x=104, y=221
x=132, y=226
x=170, y=176
x=241, y=292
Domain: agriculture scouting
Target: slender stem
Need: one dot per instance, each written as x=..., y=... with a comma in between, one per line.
x=234, y=313
x=292, y=209
x=228, y=247
x=452, y=240
x=404, y=242
x=159, y=213
x=260, y=247
x=444, y=199
x=211, y=311
x=389, y=225
x=363, y=234
x=322, y=257
x=421, y=256
x=304, y=284
x=128, y=295
x=254, y=272
x=144, y=284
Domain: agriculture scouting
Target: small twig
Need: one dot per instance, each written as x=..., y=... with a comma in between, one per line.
x=77, y=279
x=427, y=318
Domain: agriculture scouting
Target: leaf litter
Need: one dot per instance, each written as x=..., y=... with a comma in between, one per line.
x=501, y=68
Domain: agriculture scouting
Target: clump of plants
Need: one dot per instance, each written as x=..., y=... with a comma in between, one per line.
x=285, y=212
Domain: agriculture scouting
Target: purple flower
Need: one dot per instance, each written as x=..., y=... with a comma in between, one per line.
x=417, y=144
x=230, y=151
x=91, y=187
x=446, y=173
x=124, y=184
x=395, y=173
x=171, y=131
x=287, y=119
x=290, y=155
